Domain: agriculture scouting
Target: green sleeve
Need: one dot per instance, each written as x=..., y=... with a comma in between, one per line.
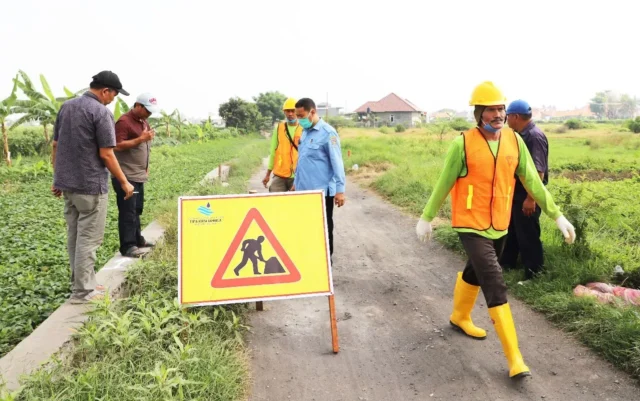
x=274, y=146
x=453, y=165
x=533, y=184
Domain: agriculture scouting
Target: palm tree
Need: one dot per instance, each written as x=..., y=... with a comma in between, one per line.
x=5, y=111
x=39, y=107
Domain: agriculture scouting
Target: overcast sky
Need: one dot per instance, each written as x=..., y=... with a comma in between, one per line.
x=194, y=55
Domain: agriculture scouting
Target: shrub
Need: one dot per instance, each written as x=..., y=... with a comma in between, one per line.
x=385, y=130
x=561, y=129
x=460, y=124
x=574, y=124
x=400, y=128
x=634, y=125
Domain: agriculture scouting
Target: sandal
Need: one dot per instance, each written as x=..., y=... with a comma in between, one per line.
x=134, y=252
x=92, y=296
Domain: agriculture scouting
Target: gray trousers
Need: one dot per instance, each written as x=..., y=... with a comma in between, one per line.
x=279, y=184
x=86, y=216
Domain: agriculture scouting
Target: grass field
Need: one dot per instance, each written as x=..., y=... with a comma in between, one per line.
x=145, y=346
x=594, y=179
x=34, y=269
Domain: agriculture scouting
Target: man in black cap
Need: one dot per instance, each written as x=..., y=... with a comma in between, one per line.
x=83, y=142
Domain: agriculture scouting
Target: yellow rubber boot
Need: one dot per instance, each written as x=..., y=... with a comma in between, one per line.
x=464, y=298
x=503, y=323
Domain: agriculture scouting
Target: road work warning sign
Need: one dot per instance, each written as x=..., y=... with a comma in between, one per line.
x=241, y=248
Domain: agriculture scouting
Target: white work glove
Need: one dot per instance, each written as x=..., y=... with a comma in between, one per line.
x=567, y=229
x=424, y=230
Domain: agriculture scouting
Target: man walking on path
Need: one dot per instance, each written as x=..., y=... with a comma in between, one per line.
x=283, y=158
x=83, y=142
x=133, y=147
x=479, y=171
x=252, y=250
x=320, y=163
x=524, y=229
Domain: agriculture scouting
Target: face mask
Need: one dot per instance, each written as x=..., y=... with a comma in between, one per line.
x=305, y=122
x=489, y=128
x=292, y=121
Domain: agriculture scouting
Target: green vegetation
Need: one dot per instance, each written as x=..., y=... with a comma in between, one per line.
x=594, y=179
x=34, y=270
x=144, y=346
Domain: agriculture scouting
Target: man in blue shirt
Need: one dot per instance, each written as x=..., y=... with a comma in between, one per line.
x=320, y=163
x=524, y=230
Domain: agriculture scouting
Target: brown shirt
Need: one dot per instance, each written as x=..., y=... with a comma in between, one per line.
x=134, y=162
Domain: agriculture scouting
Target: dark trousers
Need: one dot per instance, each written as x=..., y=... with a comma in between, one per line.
x=482, y=268
x=329, y=206
x=129, y=212
x=524, y=239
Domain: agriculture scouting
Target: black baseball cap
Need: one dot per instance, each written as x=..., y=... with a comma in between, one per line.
x=109, y=80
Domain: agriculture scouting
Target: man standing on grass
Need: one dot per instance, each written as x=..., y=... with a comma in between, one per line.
x=133, y=146
x=83, y=142
x=524, y=229
x=320, y=163
x=479, y=171
x=283, y=158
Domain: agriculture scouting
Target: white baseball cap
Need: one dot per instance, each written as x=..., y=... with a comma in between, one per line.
x=149, y=102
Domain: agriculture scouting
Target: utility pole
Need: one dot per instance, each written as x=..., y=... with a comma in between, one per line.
x=326, y=113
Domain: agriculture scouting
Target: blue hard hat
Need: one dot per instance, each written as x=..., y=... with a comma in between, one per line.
x=519, y=107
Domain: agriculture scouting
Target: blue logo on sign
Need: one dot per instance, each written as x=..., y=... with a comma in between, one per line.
x=206, y=210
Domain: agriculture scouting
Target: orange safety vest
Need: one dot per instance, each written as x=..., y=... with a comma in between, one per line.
x=482, y=198
x=286, y=157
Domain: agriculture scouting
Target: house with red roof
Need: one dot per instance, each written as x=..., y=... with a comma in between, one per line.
x=391, y=110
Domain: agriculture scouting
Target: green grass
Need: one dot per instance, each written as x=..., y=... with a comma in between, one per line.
x=144, y=346
x=34, y=270
x=594, y=179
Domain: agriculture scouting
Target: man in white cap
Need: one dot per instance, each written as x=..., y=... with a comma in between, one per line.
x=133, y=137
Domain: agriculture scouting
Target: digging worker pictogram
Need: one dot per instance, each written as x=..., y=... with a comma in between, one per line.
x=252, y=249
x=479, y=171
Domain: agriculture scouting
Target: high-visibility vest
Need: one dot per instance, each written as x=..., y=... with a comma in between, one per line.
x=482, y=198
x=286, y=156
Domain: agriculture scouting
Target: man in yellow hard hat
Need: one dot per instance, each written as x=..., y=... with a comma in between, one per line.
x=479, y=172
x=283, y=157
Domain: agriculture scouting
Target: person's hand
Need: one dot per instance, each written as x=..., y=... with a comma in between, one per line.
x=147, y=172
x=529, y=207
x=424, y=230
x=293, y=188
x=339, y=200
x=266, y=179
x=128, y=190
x=56, y=192
x=147, y=135
x=567, y=229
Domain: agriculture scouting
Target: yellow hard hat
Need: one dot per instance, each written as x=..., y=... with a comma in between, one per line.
x=289, y=104
x=487, y=94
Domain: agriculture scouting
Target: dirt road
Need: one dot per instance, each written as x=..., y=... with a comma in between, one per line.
x=393, y=299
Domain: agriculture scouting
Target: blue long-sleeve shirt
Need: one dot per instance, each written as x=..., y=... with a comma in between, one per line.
x=320, y=163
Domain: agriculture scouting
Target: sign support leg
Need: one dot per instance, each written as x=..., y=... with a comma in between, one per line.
x=334, y=324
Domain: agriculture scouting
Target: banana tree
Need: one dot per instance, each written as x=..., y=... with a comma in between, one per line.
x=6, y=107
x=179, y=122
x=120, y=108
x=39, y=107
x=166, y=120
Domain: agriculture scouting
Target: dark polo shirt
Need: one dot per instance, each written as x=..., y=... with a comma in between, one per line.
x=83, y=126
x=133, y=161
x=538, y=147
